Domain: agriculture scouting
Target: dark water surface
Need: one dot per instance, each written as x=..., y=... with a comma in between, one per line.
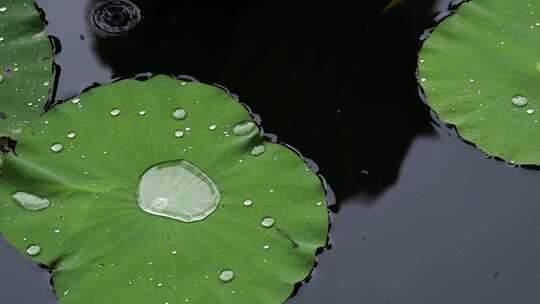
x=422, y=217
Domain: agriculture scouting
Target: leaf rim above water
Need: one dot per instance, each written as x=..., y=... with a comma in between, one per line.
x=472, y=65
x=26, y=66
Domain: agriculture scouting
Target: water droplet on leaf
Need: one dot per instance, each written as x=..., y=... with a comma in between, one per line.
x=520, y=101
x=267, y=221
x=258, y=150
x=57, y=148
x=243, y=128
x=115, y=112
x=226, y=275
x=177, y=190
x=33, y=250
x=179, y=114
x=30, y=201
x=179, y=133
x=71, y=135
x=248, y=203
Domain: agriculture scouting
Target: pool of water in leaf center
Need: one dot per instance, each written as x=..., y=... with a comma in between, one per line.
x=178, y=190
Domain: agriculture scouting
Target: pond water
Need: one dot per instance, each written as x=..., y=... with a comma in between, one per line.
x=420, y=215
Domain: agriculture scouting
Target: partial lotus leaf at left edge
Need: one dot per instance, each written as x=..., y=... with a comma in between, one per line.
x=26, y=67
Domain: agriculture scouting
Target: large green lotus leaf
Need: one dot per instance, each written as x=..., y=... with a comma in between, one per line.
x=472, y=67
x=26, y=75
x=103, y=248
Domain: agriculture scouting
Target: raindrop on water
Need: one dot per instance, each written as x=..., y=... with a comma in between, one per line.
x=30, y=201
x=113, y=18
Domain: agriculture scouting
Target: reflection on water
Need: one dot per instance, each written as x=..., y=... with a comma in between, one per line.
x=336, y=82
x=450, y=230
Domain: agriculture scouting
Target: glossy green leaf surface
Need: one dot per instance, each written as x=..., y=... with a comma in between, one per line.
x=26, y=75
x=104, y=248
x=475, y=64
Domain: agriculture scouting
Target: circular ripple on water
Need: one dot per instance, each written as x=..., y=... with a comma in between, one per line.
x=113, y=17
